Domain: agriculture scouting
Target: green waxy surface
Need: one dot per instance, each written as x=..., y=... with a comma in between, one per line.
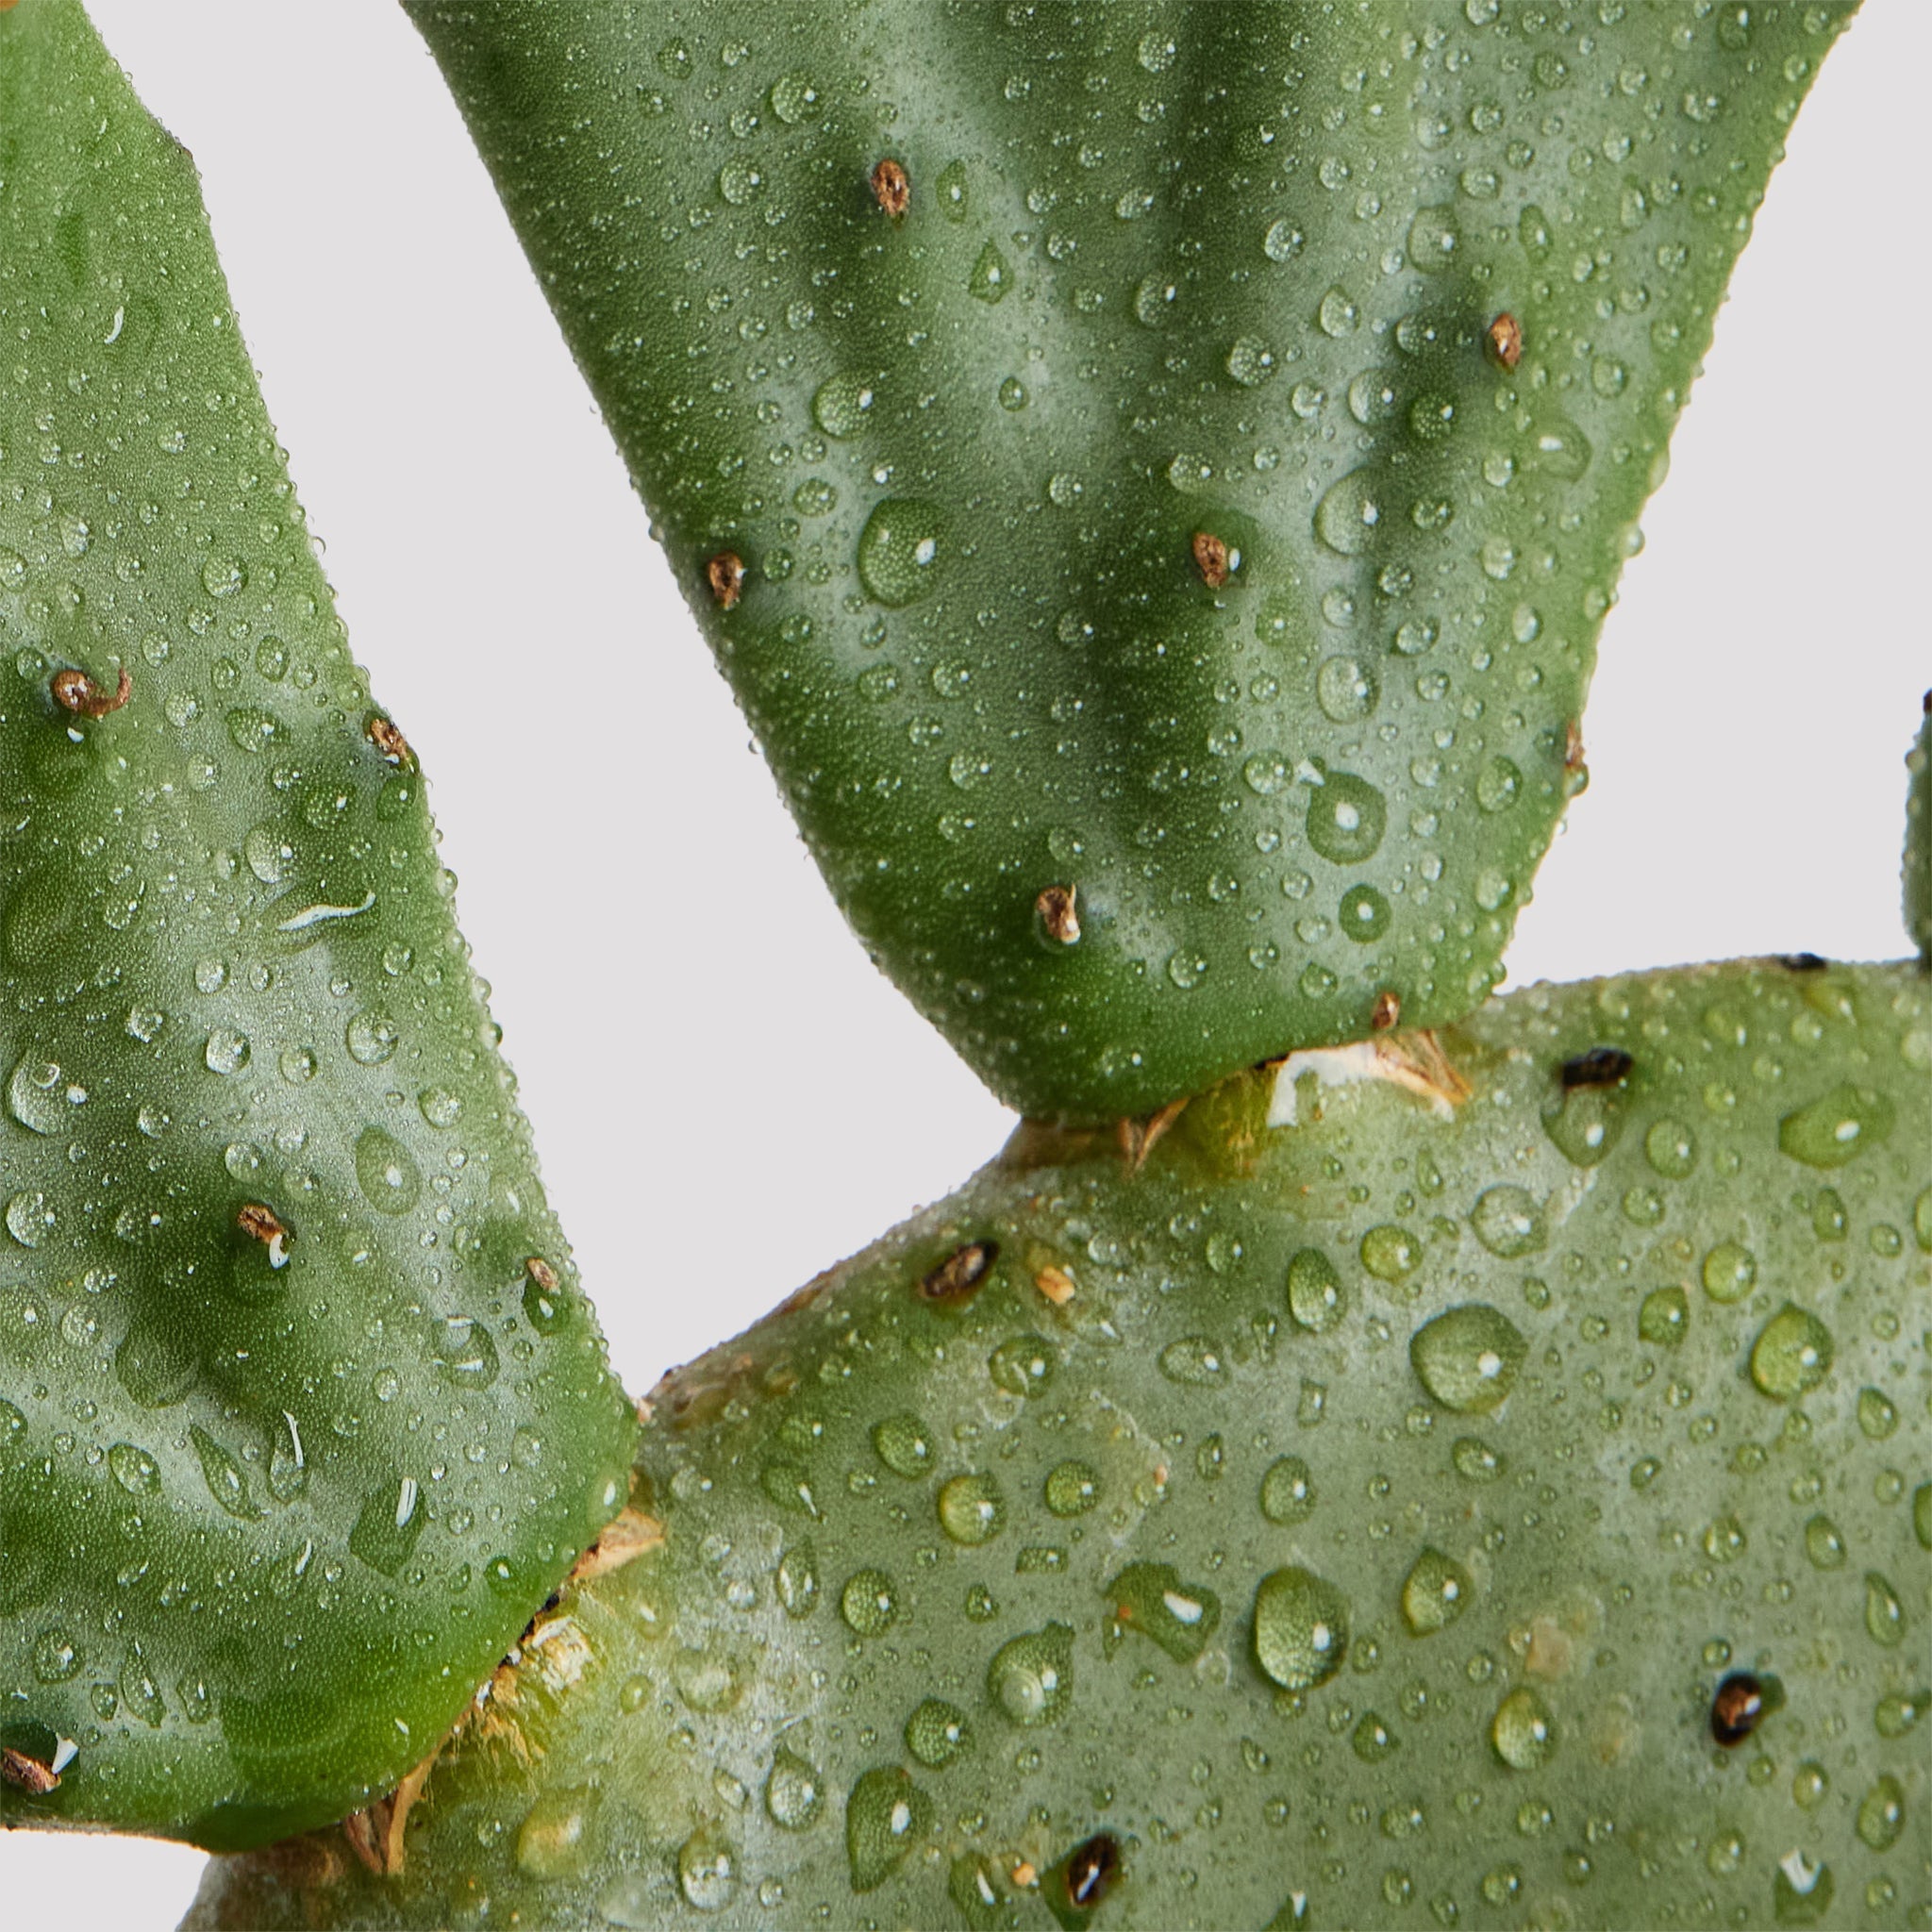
x=1394, y=1656
x=269, y=1508
x=1166, y=273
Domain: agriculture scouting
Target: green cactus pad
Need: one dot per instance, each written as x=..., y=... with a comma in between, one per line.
x=301, y=1412
x=1158, y=527
x=1564, y=1562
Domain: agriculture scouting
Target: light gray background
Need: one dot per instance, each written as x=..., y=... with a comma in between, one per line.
x=719, y=1122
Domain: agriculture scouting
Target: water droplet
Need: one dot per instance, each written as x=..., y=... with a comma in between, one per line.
x=840, y=405
x=1522, y=1731
x=55, y=1656
x=1885, y=1615
x=794, y=1791
x=1390, y=1253
x=1346, y=690
x=1023, y=1365
x=1791, y=1354
x=937, y=1732
x=885, y=1817
x=1072, y=1488
x=1586, y=1122
x=1346, y=818
x=1194, y=1362
x=388, y=1173
x=1251, y=361
x=904, y=1445
x=554, y=1842
x=1895, y=1715
x=135, y=1470
x=1836, y=1127
x=1474, y=1461
x=971, y=1509
x=1882, y=1814
x=868, y=1603
x=141, y=1697
x=1301, y=1628
x=465, y=1352
x=1665, y=1317
x=798, y=1580
x=990, y=276
x=1316, y=1300
x=226, y=1482
x=226, y=1051
x=1031, y=1679
x=1877, y=1418
x=386, y=1528
x=1338, y=315
x=438, y=1107
x=1468, y=1357
x=1730, y=1271
x=1288, y=1491
x=1558, y=448
x=1498, y=786
x=1349, y=514
x=29, y=1218
x=1434, y=237
x=1436, y=1591
x=255, y=729
x=1509, y=1221
x=372, y=1038
x=40, y=1097
x=1824, y=1544
x=795, y=96
x=899, y=551
x=1282, y=241
x=1152, y=1599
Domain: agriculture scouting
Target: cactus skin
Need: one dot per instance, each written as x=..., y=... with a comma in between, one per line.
x=230, y=980
x=1634, y=1519
x=1248, y=262
x=1918, y=859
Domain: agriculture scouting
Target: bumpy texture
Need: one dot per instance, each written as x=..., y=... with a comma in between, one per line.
x=293, y=1436
x=1154, y=475
x=1345, y=1524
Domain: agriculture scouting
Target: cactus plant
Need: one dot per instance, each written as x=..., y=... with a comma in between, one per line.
x=888, y=1627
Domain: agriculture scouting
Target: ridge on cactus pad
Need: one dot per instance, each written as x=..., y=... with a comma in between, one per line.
x=302, y=1412
x=1160, y=535
x=1513, y=1508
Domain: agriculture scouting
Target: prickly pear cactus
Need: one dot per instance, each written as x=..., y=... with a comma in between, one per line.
x=301, y=1412
x=1489, y=1476
x=1153, y=474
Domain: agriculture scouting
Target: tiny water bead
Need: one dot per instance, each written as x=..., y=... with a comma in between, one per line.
x=1468, y=1358
x=1522, y=1731
x=1299, y=1629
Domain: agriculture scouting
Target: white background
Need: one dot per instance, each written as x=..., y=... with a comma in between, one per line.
x=719, y=1121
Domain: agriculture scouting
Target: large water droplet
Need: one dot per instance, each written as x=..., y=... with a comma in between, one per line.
x=1509, y=1221
x=937, y=1732
x=1152, y=1599
x=885, y=1817
x=1522, y=1731
x=1468, y=1357
x=868, y=1603
x=1031, y=1679
x=1350, y=514
x=1838, y=1126
x=387, y=1171
x=135, y=1470
x=1023, y=1365
x=388, y=1525
x=1729, y=1272
x=1316, y=1300
x=1072, y=1488
x=465, y=1352
x=904, y=1445
x=1791, y=1354
x=40, y=1097
x=1885, y=1614
x=1436, y=1591
x=840, y=405
x=1301, y=1628
x=990, y=276
x=971, y=1509
x=1882, y=1814
x=794, y=1791
x=900, y=551
x=1347, y=816
x=29, y=1218
x=372, y=1038
x=226, y=1482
